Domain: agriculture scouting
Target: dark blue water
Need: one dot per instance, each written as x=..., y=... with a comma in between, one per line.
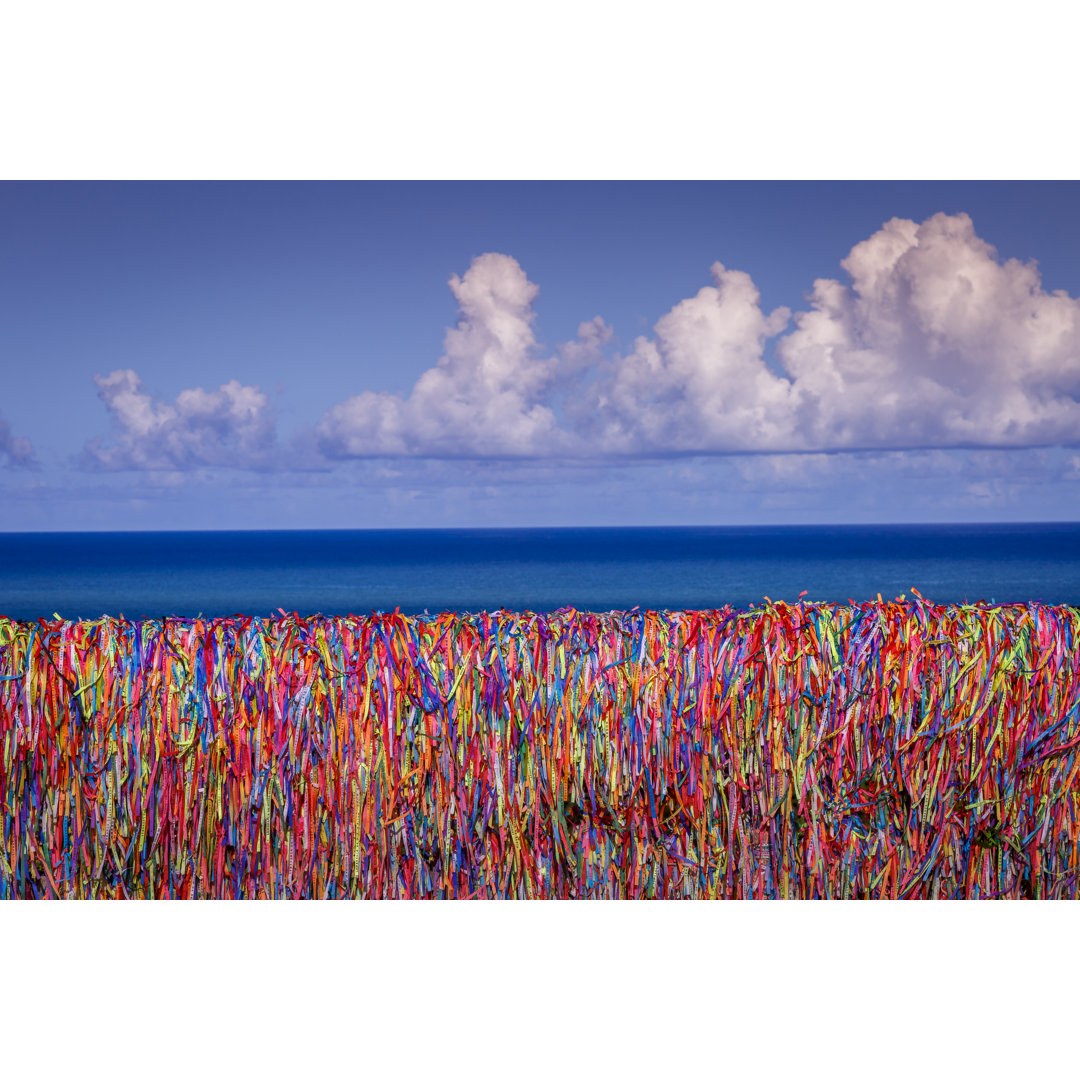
x=215, y=573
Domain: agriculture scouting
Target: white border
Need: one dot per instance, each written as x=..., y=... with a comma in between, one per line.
x=692, y=89
x=541, y=989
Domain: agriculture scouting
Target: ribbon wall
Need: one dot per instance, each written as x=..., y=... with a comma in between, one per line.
x=865, y=750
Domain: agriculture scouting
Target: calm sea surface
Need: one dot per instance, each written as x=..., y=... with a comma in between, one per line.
x=84, y=575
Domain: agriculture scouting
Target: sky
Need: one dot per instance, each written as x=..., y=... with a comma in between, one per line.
x=378, y=354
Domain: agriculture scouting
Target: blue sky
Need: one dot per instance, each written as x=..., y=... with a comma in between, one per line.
x=200, y=355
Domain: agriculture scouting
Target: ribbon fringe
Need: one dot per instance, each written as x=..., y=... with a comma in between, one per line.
x=887, y=749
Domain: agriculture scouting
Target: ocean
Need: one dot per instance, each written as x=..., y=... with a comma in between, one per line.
x=152, y=574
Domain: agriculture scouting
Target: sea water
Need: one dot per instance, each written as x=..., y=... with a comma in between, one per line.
x=151, y=574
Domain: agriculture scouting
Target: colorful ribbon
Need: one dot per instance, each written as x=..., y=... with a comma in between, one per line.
x=868, y=750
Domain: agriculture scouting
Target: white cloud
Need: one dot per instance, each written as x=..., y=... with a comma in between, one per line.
x=935, y=343
x=701, y=384
x=230, y=426
x=487, y=395
x=15, y=451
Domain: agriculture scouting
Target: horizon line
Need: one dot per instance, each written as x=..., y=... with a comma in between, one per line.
x=547, y=528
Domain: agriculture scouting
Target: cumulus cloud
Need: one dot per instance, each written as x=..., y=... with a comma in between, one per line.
x=934, y=342
x=230, y=426
x=492, y=392
x=15, y=451
x=701, y=384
